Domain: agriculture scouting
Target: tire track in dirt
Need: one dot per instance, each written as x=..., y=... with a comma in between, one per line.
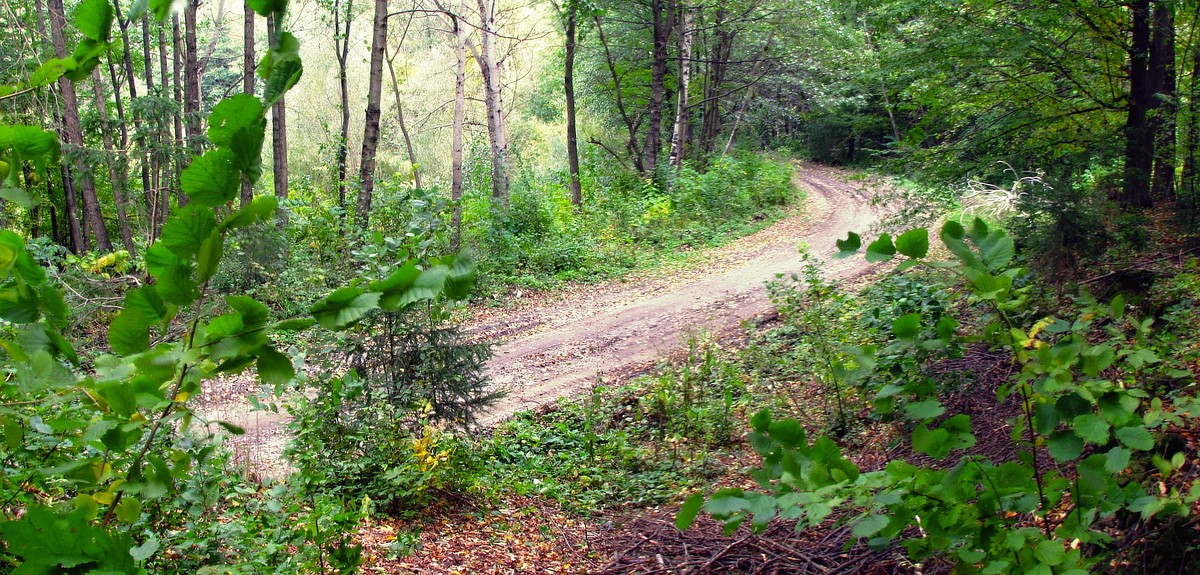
x=564, y=346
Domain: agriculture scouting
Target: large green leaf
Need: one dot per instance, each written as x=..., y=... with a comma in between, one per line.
x=914, y=243
x=344, y=307
x=187, y=229
x=689, y=510
x=460, y=277
x=212, y=179
x=395, y=286
x=1135, y=437
x=231, y=115
x=281, y=68
x=94, y=19
x=260, y=209
x=881, y=250
x=129, y=331
x=274, y=368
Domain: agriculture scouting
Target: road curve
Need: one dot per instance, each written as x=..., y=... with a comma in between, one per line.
x=560, y=348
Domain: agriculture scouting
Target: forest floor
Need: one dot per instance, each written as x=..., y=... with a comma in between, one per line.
x=557, y=344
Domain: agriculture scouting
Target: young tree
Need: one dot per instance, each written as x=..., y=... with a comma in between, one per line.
x=343, y=17
x=571, y=17
x=491, y=67
x=279, y=144
x=248, y=66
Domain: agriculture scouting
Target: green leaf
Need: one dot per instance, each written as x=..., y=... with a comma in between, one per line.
x=761, y=421
x=232, y=115
x=87, y=56
x=176, y=286
x=281, y=67
x=460, y=277
x=208, y=259
x=924, y=410
x=393, y=288
x=187, y=229
x=254, y=314
x=881, y=250
x=343, y=307
x=129, y=331
x=907, y=327
x=1049, y=552
x=1091, y=428
x=260, y=209
x=688, y=511
x=870, y=526
x=935, y=443
x=159, y=258
x=848, y=246
x=789, y=433
x=299, y=324
x=1118, y=460
x=16, y=196
x=914, y=243
x=94, y=19
x=274, y=368
x=1064, y=445
x=267, y=7
x=231, y=428
x=129, y=509
x=1135, y=437
x=212, y=179
x=1118, y=306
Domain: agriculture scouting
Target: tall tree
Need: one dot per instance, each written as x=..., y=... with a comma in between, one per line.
x=343, y=17
x=679, y=134
x=571, y=8
x=662, y=14
x=73, y=139
x=491, y=67
x=191, y=82
x=1162, y=78
x=1139, y=136
x=247, y=192
x=279, y=145
x=371, y=125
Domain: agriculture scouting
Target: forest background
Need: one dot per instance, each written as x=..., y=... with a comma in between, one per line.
x=420, y=154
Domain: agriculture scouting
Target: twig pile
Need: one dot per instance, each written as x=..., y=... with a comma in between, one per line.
x=652, y=545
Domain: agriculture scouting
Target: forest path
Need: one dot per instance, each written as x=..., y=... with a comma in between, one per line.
x=558, y=345
x=561, y=347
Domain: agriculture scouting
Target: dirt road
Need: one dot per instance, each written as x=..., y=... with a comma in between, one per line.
x=559, y=348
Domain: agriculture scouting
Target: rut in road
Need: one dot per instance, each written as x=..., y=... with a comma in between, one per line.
x=561, y=348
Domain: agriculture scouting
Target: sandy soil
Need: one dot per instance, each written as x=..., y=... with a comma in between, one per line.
x=563, y=344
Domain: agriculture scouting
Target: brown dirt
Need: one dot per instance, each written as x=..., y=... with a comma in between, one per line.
x=561, y=344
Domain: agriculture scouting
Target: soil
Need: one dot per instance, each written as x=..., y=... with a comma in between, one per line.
x=558, y=345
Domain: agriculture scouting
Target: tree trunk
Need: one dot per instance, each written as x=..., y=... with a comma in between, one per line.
x=662, y=15
x=366, y=172
x=191, y=84
x=679, y=135
x=569, y=93
x=1139, y=138
x=412, y=156
x=279, y=147
x=1162, y=72
x=341, y=45
x=71, y=207
x=710, y=126
x=147, y=61
x=248, y=66
x=456, y=138
x=490, y=66
x=116, y=171
x=1191, y=158
x=73, y=135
